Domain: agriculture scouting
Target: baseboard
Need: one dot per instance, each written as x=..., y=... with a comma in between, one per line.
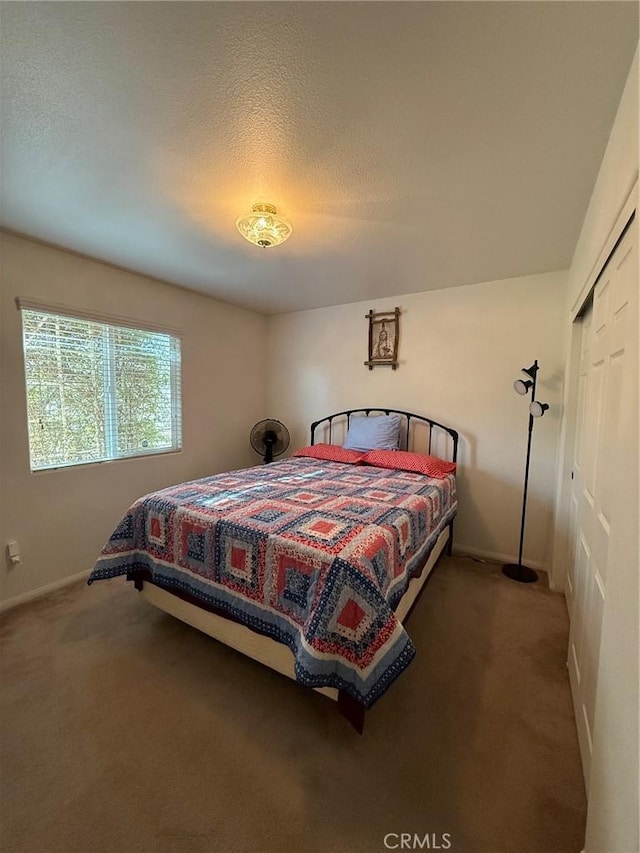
x=493, y=557
x=42, y=590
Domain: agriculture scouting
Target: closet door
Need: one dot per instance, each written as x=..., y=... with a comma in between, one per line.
x=603, y=361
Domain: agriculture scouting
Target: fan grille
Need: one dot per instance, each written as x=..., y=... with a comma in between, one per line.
x=269, y=438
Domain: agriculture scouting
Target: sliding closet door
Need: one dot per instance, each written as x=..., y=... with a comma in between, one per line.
x=603, y=362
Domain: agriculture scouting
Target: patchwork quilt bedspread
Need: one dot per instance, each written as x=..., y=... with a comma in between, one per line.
x=313, y=554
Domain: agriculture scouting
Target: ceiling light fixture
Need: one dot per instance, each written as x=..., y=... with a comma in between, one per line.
x=263, y=227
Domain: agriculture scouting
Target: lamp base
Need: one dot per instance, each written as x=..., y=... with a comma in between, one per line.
x=518, y=572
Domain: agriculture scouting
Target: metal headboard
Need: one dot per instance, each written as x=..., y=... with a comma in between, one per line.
x=406, y=433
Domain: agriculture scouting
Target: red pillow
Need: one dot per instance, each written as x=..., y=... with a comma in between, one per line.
x=332, y=453
x=417, y=463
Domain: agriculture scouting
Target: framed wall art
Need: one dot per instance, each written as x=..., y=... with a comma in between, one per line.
x=384, y=333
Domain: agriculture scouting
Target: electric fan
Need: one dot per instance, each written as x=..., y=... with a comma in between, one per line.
x=269, y=438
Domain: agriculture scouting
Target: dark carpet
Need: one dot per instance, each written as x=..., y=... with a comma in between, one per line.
x=124, y=730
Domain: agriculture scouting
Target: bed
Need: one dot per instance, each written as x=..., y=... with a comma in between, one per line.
x=309, y=565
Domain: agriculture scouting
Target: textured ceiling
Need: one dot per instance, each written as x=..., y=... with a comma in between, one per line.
x=412, y=145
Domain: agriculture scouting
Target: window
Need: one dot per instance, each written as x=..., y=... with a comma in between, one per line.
x=98, y=391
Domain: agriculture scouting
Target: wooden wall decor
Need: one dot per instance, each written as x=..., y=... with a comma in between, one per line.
x=384, y=333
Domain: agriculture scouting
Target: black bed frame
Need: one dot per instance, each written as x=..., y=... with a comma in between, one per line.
x=349, y=707
x=406, y=433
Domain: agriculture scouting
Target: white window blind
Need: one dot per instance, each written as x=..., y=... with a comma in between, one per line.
x=98, y=391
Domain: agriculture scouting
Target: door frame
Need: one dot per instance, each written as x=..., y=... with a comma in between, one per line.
x=561, y=532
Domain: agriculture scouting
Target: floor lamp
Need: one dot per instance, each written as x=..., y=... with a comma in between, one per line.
x=516, y=571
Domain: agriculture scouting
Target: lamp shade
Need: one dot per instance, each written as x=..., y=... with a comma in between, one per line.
x=537, y=409
x=263, y=227
x=522, y=387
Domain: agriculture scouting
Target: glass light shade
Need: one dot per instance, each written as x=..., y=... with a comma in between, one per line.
x=521, y=387
x=537, y=409
x=263, y=227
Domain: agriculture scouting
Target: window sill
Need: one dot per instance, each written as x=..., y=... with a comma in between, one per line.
x=73, y=466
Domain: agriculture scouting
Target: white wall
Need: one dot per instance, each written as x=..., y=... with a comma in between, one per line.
x=62, y=518
x=460, y=350
x=613, y=814
x=616, y=177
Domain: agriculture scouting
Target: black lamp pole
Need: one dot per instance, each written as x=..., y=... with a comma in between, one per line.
x=516, y=571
